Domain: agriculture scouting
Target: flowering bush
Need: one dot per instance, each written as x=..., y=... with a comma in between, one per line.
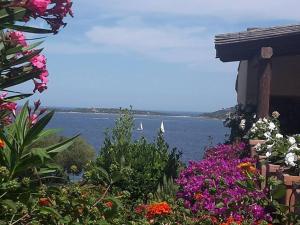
x=223, y=186
x=239, y=121
x=20, y=60
x=265, y=128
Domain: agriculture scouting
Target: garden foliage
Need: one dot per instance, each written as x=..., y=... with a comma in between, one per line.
x=135, y=166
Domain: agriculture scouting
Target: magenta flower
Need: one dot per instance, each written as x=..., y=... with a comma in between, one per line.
x=40, y=87
x=17, y=37
x=38, y=6
x=39, y=61
x=217, y=179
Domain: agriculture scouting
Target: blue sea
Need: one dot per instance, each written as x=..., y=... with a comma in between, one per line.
x=190, y=135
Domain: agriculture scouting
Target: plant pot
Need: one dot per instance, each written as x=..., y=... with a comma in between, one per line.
x=253, y=143
x=292, y=194
x=267, y=170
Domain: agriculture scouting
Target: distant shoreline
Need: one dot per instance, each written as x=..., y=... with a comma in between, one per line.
x=218, y=115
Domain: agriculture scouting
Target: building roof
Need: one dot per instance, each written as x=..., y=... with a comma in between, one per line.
x=285, y=40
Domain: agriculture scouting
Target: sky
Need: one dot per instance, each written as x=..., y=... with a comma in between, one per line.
x=151, y=54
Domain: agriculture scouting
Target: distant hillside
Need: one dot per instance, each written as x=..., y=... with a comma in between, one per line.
x=220, y=114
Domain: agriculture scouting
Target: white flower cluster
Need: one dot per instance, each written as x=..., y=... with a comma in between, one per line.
x=292, y=155
x=278, y=148
x=263, y=129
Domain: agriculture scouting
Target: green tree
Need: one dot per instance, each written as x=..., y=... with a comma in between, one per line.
x=134, y=166
x=78, y=154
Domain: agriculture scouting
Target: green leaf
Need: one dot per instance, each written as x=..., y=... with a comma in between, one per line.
x=12, y=14
x=18, y=79
x=41, y=153
x=17, y=97
x=37, y=128
x=24, y=59
x=57, y=148
x=49, y=210
x=279, y=191
x=22, y=48
x=10, y=204
x=34, y=30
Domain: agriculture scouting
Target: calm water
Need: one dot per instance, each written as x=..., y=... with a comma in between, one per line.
x=189, y=135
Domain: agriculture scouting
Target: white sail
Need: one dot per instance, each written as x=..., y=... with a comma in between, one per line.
x=162, y=127
x=141, y=127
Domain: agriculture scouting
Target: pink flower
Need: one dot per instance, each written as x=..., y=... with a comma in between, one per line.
x=10, y=106
x=17, y=37
x=33, y=119
x=39, y=61
x=39, y=86
x=3, y=95
x=43, y=79
x=38, y=7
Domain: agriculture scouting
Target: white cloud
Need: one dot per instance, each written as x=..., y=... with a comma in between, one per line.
x=222, y=9
x=166, y=43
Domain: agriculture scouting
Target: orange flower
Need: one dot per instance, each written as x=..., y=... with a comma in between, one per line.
x=2, y=143
x=198, y=196
x=247, y=166
x=156, y=209
x=231, y=221
x=44, y=202
x=109, y=204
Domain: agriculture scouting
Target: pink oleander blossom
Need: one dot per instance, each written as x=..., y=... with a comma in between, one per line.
x=38, y=7
x=33, y=119
x=40, y=87
x=10, y=106
x=17, y=37
x=39, y=62
x=44, y=79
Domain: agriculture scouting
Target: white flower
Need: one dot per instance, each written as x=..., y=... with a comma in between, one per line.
x=265, y=120
x=292, y=140
x=293, y=148
x=290, y=159
x=279, y=136
x=268, y=154
x=257, y=147
x=254, y=116
x=259, y=121
x=267, y=135
x=243, y=124
x=253, y=130
x=269, y=147
x=272, y=126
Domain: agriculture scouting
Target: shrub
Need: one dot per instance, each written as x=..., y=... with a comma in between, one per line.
x=135, y=166
x=223, y=186
x=78, y=154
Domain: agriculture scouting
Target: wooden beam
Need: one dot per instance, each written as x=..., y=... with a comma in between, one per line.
x=264, y=89
x=266, y=52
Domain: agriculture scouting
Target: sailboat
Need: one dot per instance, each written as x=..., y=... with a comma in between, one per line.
x=141, y=127
x=162, y=127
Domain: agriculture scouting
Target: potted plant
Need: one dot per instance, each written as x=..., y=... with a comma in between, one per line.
x=261, y=131
x=290, y=176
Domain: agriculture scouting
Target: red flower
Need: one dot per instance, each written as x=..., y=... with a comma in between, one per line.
x=140, y=209
x=44, y=202
x=156, y=209
x=109, y=204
